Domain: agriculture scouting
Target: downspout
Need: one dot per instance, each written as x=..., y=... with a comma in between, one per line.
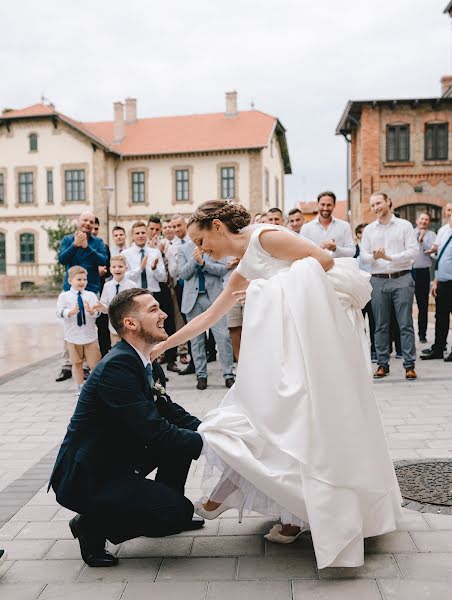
x=348, y=149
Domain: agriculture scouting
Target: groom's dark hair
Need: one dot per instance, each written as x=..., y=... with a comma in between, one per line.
x=122, y=306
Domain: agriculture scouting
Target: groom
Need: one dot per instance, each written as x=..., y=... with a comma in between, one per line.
x=125, y=426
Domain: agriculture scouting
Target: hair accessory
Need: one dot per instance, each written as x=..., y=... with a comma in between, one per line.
x=229, y=202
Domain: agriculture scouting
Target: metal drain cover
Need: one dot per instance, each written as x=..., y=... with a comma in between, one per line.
x=426, y=482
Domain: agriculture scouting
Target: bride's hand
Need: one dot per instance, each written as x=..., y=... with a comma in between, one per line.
x=157, y=350
x=240, y=296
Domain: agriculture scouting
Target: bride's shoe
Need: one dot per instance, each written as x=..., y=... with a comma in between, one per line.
x=275, y=535
x=234, y=500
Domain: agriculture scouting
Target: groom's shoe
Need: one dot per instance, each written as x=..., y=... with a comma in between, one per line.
x=92, y=548
x=195, y=523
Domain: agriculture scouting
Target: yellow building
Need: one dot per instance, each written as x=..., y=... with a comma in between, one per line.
x=124, y=170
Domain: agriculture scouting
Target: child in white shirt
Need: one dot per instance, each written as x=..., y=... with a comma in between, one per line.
x=118, y=268
x=79, y=309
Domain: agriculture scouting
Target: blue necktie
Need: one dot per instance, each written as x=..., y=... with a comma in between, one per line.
x=117, y=289
x=144, y=278
x=81, y=316
x=201, y=280
x=149, y=377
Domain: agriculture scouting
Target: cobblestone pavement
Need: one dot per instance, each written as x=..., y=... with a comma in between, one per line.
x=225, y=558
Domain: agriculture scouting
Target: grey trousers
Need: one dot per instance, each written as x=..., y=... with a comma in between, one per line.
x=222, y=338
x=400, y=293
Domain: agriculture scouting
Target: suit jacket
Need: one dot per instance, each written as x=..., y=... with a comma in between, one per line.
x=119, y=429
x=188, y=268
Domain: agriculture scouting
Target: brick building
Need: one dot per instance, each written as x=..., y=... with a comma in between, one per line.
x=403, y=148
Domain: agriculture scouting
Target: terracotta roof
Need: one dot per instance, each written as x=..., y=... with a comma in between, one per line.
x=175, y=135
x=192, y=133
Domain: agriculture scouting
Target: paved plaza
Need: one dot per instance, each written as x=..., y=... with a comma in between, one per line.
x=225, y=559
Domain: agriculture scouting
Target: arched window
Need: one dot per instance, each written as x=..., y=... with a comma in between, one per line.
x=27, y=247
x=2, y=253
x=33, y=139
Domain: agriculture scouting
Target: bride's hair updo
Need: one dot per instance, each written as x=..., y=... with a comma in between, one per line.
x=234, y=216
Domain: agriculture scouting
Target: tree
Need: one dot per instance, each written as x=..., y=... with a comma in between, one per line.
x=63, y=227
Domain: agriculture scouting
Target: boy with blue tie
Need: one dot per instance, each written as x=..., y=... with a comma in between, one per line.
x=79, y=309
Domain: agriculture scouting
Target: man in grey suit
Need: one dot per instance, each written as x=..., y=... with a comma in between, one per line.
x=203, y=283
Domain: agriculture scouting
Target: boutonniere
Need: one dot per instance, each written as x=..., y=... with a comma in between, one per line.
x=158, y=389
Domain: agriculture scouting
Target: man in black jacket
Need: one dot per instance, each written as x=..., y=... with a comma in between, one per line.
x=125, y=426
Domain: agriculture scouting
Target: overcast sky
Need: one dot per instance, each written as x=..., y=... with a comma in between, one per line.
x=300, y=60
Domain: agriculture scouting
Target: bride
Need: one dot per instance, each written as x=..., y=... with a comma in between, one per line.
x=299, y=436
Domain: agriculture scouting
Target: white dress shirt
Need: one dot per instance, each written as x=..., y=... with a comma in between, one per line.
x=422, y=260
x=338, y=230
x=171, y=255
x=134, y=258
x=398, y=240
x=74, y=333
x=110, y=291
x=114, y=250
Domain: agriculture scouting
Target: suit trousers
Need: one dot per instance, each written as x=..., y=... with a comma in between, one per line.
x=166, y=304
x=422, y=291
x=442, y=314
x=133, y=506
x=222, y=338
x=399, y=293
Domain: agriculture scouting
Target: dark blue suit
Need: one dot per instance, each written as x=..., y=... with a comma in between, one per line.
x=90, y=258
x=118, y=434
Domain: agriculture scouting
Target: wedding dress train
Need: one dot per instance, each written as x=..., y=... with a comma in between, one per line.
x=300, y=434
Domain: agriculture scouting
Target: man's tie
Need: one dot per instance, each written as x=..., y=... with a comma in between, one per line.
x=117, y=289
x=148, y=369
x=201, y=280
x=144, y=278
x=81, y=316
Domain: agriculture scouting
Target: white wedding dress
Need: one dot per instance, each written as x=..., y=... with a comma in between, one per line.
x=300, y=433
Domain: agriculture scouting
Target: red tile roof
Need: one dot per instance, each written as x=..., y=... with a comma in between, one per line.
x=170, y=135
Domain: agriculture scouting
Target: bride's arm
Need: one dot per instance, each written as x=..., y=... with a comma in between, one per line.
x=204, y=321
x=291, y=247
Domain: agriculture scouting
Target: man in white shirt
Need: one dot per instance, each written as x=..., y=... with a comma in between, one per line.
x=389, y=247
x=275, y=216
x=421, y=271
x=145, y=265
x=295, y=220
x=326, y=231
x=119, y=239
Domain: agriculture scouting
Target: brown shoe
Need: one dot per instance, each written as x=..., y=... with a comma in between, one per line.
x=171, y=366
x=382, y=371
x=410, y=374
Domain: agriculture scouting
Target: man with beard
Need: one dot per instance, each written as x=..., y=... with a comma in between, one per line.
x=125, y=426
x=327, y=231
x=389, y=247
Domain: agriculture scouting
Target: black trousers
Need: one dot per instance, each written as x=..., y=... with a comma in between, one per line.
x=164, y=299
x=103, y=334
x=367, y=310
x=421, y=291
x=130, y=507
x=442, y=314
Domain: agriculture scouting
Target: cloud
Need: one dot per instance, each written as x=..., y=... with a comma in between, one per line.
x=296, y=59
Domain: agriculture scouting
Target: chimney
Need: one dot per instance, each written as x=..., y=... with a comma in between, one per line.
x=446, y=86
x=118, y=108
x=131, y=110
x=231, y=104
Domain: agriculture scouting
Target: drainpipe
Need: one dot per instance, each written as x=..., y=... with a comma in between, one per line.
x=348, y=148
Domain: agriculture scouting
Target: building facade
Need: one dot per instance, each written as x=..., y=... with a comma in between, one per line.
x=125, y=169
x=402, y=147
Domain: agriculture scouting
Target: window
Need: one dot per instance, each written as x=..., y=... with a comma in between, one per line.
x=138, y=186
x=227, y=182
x=182, y=184
x=49, y=187
x=397, y=143
x=2, y=189
x=267, y=187
x=2, y=253
x=436, y=141
x=25, y=188
x=74, y=181
x=33, y=141
x=276, y=192
x=27, y=247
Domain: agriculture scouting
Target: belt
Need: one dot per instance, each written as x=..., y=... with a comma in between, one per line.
x=390, y=275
